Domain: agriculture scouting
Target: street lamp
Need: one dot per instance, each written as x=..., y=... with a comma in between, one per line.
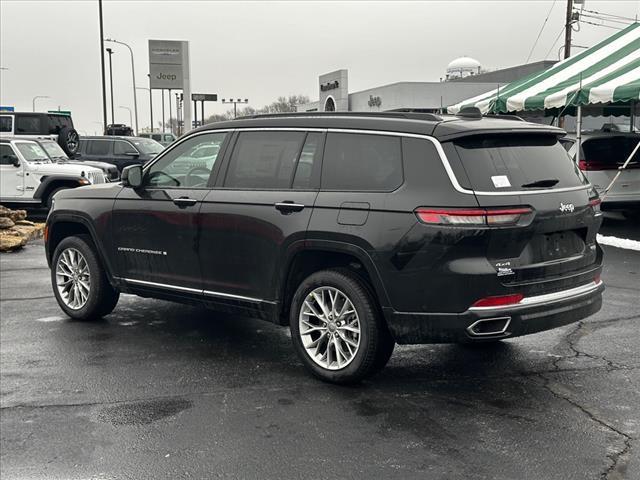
x=133, y=75
x=110, y=52
x=130, y=117
x=33, y=102
x=235, y=102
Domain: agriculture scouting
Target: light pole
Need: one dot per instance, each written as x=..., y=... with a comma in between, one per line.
x=104, y=87
x=130, y=116
x=133, y=76
x=110, y=51
x=235, y=104
x=150, y=105
x=33, y=102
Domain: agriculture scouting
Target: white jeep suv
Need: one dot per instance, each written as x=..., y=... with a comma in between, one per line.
x=28, y=176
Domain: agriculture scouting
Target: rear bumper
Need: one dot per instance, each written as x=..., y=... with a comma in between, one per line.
x=621, y=202
x=531, y=315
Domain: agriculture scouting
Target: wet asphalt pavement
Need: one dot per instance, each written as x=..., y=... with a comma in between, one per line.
x=159, y=390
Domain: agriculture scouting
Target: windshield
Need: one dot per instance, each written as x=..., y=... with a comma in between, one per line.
x=146, y=145
x=512, y=162
x=54, y=150
x=32, y=152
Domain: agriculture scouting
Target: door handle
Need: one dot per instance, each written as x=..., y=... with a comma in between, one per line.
x=185, y=201
x=287, y=207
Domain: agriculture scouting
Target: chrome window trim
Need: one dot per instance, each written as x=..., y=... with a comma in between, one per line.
x=546, y=298
x=443, y=157
x=193, y=290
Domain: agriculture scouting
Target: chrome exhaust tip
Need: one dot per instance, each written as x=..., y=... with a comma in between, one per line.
x=489, y=327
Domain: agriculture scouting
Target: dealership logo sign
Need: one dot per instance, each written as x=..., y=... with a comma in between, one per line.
x=374, y=101
x=330, y=86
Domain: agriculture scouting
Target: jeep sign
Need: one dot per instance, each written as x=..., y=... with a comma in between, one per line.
x=167, y=63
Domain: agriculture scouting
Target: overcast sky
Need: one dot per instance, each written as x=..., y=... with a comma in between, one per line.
x=260, y=50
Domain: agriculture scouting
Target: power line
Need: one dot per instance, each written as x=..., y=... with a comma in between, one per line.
x=601, y=25
x=540, y=32
x=608, y=15
x=596, y=17
x=554, y=42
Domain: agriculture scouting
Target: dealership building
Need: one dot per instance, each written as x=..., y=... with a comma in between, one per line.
x=464, y=78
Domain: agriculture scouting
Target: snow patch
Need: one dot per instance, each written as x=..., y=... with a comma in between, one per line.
x=626, y=243
x=49, y=319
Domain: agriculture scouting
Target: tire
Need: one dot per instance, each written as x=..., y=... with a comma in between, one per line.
x=69, y=141
x=365, y=353
x=48, y=202
x=101, y=297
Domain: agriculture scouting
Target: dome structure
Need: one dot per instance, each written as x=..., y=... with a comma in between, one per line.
x=463, y=67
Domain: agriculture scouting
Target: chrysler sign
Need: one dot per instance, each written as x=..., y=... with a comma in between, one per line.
x=166, y=63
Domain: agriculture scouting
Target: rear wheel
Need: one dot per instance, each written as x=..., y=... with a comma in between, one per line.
x=336, y=327
x=79, y=281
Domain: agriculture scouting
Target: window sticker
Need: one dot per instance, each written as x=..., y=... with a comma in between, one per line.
x=500, y=181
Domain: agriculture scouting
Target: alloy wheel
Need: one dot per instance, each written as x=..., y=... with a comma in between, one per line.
x=73, y=279
x=329, y=328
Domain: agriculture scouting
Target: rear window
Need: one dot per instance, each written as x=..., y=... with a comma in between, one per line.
x=363, y=162
x=512, y=162
x=611, y=151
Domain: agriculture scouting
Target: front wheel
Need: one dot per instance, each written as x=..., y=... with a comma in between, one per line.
x=336, y=327
x=79, y=281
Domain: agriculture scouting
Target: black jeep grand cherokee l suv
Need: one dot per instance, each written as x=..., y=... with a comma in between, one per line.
x=357, y=230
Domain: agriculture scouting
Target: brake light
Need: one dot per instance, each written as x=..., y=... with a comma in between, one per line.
x=591, y=166
x=597, y=279
x=499, y=301
x=471, y=216
x=595, y=204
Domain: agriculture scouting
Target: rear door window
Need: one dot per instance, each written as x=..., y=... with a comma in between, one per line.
x=493, y=163
x=264, y=160
x=98, y=147
x=28, y=124
x=362, y=162
x=5, y=124
x=611, y=152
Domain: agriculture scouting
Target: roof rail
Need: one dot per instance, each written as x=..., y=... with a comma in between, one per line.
x=409, y=115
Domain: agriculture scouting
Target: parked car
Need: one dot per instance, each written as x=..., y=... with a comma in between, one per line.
x=165, y=139
x=601, y=156
x=119, y=129
x=356, y=230
x=29, y=177
x=58, y=126
x=119, y=151
x=57, y=155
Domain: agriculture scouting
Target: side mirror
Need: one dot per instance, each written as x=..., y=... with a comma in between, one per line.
x=132, y=176
x=13, y=160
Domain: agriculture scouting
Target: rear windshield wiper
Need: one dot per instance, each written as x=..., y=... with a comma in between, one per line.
x=547, y=182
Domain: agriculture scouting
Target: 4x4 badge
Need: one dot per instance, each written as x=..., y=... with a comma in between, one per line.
x=567, y=207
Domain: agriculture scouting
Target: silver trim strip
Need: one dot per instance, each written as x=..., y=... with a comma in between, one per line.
x=193, y=290
x=234, y=297
x=436, y=143
x=473, y=333
x=546, y=298
x=161, y=285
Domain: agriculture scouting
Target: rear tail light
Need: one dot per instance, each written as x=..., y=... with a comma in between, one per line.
x=471, y=216
x=499, y=301
x=590, y=165
x=597, y=279
x=595, y=204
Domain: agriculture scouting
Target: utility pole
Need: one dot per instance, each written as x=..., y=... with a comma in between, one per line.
x=104, y=86
x=110, y=52
x=568, y=29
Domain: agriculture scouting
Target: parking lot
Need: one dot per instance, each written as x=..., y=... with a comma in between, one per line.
x=160, y=390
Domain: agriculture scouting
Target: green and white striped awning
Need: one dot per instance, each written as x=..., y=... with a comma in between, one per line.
x=607, y=72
